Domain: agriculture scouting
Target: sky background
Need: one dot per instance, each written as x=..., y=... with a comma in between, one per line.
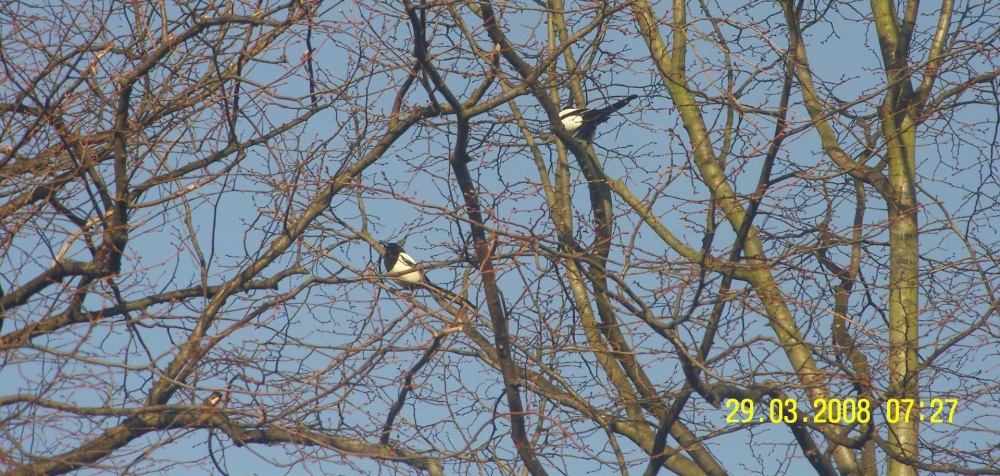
x=410, y=195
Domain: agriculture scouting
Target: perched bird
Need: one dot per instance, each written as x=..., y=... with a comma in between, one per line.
x=397, y=262
x=583, y=122
x=405, y=269
x=213, y=399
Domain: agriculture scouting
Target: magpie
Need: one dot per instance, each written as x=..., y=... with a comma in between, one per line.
x=406, y=270
x=213, y=399
x=397, y=262
x=583, y=122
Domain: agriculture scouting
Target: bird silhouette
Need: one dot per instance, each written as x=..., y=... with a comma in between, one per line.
x=583, y=122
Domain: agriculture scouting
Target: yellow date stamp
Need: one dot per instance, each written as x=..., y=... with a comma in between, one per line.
x=843, y=410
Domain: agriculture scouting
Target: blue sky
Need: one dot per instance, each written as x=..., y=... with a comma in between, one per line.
x=298, y=356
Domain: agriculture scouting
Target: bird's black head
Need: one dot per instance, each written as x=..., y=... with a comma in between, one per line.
x=391, y=254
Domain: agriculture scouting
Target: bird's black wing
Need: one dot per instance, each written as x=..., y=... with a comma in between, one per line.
x=407, y=260
x=595, y=117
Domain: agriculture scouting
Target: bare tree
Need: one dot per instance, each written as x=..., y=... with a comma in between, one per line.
x=785, y=245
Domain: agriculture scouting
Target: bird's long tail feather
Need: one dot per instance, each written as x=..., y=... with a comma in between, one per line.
x=448, y=295
x=610, y=109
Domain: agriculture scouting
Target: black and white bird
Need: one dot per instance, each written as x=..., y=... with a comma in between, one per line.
x=583, y=122
x=405, y=269
x=213, y=399
x=401, y=265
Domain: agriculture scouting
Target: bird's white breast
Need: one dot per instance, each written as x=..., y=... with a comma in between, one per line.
x=405, y=263
x=571, y=119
